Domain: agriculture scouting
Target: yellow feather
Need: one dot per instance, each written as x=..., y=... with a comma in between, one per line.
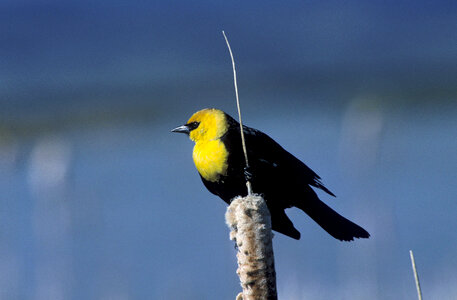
x=210, y=158
x=213, y=125
x=210, y=155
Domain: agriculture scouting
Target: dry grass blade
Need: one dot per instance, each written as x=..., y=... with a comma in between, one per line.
x=416, y=276
x=248, y=184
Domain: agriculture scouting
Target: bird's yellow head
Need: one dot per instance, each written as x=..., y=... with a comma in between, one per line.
x=205, y=128
x=205, y=125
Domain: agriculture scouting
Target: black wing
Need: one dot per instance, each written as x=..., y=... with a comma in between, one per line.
x=264, y=152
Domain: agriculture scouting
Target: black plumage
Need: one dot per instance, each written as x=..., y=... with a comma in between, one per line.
x=282, y=179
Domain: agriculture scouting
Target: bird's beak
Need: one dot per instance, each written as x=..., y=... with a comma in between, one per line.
x=183, y=129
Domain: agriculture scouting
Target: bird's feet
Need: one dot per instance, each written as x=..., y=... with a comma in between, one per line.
x=247, y=173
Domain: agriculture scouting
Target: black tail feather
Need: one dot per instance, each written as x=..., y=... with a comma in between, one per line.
x=336, y=225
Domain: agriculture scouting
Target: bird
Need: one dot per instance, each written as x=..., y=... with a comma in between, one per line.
x=282, y=179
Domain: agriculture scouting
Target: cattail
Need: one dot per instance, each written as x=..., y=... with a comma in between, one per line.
x=250, y=223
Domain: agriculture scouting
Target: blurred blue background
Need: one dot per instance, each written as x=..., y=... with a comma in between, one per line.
x=98, y=200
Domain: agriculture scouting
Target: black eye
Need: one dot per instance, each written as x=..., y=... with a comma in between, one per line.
x=193, y=125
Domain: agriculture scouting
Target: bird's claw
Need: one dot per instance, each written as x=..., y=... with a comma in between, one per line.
x=247, y=173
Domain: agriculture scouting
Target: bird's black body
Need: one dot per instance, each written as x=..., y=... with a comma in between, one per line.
x=282, y=179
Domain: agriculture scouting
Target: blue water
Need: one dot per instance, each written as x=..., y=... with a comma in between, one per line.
x=98, y=200
x=128, y=217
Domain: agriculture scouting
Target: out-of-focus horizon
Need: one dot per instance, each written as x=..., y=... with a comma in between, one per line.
x=100, y=201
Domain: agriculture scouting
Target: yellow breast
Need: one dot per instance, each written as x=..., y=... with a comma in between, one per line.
x=210, y=158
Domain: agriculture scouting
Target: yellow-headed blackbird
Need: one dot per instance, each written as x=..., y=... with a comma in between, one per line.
x=282, y=179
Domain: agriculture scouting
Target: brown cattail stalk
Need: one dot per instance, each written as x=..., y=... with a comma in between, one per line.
x=250, y=223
